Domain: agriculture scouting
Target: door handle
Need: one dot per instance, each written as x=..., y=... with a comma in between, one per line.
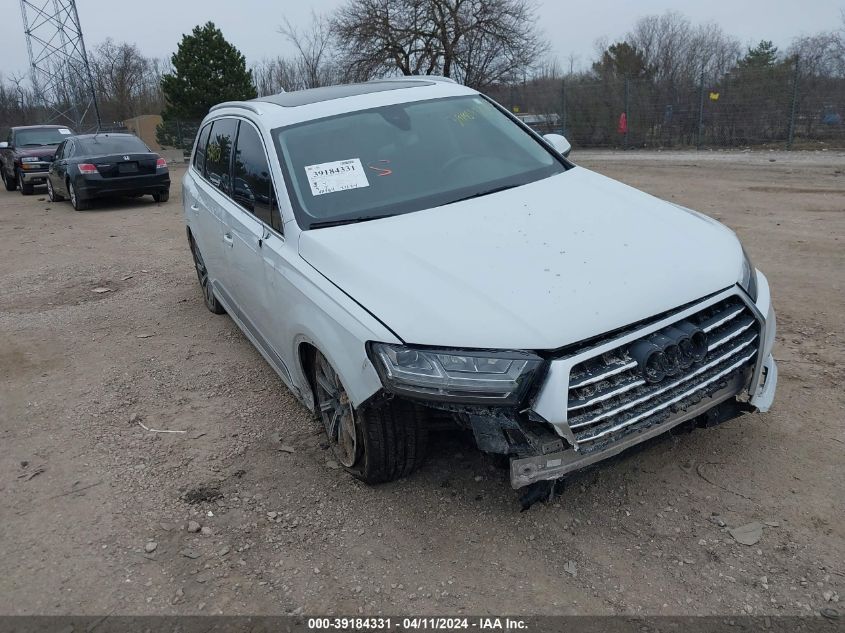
x=227, y=237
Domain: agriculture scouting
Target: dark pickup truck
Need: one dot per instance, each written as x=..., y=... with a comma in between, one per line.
x=26, y=155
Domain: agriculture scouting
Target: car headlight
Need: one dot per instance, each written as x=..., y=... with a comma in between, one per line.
x=30, y=159
x=470, y=377
x=748, y=278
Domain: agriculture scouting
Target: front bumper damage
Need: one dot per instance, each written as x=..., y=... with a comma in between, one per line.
x=750, y=390
x=542, y=446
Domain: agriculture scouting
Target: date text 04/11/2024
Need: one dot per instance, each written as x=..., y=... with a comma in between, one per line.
x=417, y=623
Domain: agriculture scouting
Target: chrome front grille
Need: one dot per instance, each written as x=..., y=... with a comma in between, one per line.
x=610, y=395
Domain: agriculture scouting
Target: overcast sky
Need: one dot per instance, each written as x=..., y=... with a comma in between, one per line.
x=572, y=26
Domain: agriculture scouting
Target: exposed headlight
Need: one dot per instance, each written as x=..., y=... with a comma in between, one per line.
x=471, y=377
x=30, y=159
x=748, y=279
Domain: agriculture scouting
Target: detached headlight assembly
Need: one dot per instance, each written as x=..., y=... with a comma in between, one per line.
x=748, y=279
x=470, y=377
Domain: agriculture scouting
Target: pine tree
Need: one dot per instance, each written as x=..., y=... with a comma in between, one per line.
x=206, y=70
x=764, y=55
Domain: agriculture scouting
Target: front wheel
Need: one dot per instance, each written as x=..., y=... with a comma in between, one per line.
x=27, y=189
x=378, y=444
x=10, y=182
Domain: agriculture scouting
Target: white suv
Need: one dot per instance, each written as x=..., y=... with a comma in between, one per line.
x=406, y=250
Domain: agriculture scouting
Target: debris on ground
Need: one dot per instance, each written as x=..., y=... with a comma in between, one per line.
x=193, y=527
x=32, y=473
x=749, y=534
x=150, y=547
x=202, y=494
x=100, y=290
x=146, y=428
x=571, y=568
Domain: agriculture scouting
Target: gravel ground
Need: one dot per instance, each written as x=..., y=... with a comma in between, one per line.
x=241, y=512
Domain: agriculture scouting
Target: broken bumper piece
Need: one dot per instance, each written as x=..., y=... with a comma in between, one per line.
x=528, y=470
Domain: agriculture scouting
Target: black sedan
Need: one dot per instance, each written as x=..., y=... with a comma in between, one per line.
x=92, y=166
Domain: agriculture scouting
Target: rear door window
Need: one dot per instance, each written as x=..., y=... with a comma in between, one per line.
x=199, y=154
x=252, y=186
x=219, y=153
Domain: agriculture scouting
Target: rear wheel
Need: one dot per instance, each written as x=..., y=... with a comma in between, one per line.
x=27, y=189
x=8, y=181
x=79, y=205
x=164, y=196
x=377, y=444
x=51, y=193
x=211, y=301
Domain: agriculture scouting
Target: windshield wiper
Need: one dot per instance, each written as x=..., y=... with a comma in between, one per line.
x=486, y=193
x=327, y=223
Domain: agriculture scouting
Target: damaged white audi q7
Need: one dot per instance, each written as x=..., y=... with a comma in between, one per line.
x=406, y=250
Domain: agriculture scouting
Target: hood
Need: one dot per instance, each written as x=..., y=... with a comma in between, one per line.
x=536, y=267
x=48, y=151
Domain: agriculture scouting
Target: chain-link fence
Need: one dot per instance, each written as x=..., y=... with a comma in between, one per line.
x=777, y=107
x=179, y=135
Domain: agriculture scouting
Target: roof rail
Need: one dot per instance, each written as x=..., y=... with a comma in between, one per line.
x=235, y=104
x=438, y=78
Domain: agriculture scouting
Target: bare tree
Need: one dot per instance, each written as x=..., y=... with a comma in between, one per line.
x=127, y=83
x=314, y=66
x=478, y=42
x=679, y=52
x=821, y=55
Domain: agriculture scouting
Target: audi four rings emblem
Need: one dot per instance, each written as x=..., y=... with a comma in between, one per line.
x=125, y=158
x=669, y=351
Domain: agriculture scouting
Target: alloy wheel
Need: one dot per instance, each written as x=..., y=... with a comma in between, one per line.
x=336, y=413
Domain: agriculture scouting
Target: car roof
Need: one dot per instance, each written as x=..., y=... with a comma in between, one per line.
x=288, y=108
x=39, y=127
x=327, y=93
x=117, y=134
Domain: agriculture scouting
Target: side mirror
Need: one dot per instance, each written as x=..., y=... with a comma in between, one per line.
x=4, y=145
x=559, y=143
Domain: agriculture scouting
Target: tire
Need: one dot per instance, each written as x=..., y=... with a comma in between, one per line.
x=377, y=444
x=79, y=205
x=52, y=196
x=10, y=183
x=26, y=189
x=210, y=300
x=164, y=196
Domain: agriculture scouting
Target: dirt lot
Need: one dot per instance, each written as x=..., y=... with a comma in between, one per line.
x=84, y=488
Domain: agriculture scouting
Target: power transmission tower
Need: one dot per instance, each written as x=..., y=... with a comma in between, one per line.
x=59, y=69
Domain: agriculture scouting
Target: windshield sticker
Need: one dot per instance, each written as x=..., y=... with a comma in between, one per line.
x=340, y=175
x=380, y=168
x=65, y=131
x=464, y=117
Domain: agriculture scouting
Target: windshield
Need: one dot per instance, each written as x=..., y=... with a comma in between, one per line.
x=100, y=145
x=406, y=157
x=39, y=138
